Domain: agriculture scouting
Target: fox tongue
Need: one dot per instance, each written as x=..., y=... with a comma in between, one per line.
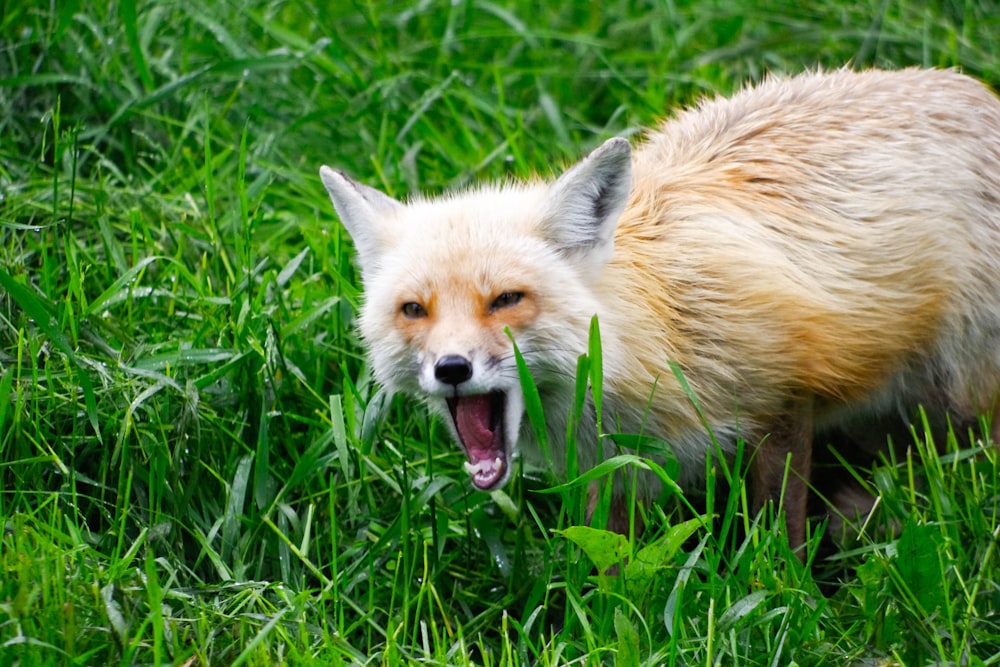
x=483, y=443
x=473, y=415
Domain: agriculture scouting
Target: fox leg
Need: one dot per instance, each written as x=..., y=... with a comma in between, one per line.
x=620, y=519
x=790, y=435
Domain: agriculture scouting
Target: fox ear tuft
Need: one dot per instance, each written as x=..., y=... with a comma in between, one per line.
x=366, y=213
x=584, y=204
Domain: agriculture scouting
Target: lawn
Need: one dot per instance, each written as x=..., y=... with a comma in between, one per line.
x=195, y=465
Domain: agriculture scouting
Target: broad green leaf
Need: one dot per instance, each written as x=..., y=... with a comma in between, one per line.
x=628, y=653
x=604, y=548
x=919, y=564
x=645, y=564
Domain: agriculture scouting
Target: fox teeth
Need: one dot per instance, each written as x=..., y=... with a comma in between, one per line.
x=483, y=466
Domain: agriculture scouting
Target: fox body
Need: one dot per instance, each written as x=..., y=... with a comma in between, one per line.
x=814, y=252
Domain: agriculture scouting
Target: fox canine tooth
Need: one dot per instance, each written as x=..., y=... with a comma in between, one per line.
x=475, y=468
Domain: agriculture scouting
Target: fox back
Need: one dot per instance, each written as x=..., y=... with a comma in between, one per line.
x=814, y=252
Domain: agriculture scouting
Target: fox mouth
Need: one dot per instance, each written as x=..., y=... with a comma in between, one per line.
x=479, y=423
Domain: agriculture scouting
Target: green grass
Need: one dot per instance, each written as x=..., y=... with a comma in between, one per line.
x=195, y=467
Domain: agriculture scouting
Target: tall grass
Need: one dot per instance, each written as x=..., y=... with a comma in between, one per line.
x=195, y=466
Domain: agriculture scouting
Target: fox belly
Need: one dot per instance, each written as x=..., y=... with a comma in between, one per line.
x=812, y=253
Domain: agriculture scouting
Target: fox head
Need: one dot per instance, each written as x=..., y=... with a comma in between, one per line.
x=445, y=279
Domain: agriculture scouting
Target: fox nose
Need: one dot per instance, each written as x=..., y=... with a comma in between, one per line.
x=453, y=369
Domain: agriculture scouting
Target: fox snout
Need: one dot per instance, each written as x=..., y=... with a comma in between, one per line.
x=481, y=416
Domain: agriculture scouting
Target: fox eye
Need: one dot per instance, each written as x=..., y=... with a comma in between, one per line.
x=413, y=310
x=506, y=300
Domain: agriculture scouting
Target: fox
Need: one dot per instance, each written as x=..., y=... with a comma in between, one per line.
x=814, y=252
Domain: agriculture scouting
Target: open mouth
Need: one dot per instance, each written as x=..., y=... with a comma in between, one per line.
x=479, y=422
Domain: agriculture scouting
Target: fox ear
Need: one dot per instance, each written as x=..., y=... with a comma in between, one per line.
x=583, y=206
x=365, y=212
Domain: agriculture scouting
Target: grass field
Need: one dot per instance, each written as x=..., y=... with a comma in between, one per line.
x=195, y=467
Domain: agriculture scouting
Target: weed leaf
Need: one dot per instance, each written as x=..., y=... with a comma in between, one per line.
x=645, y=566
x=604, y=548
x=628, y=654
x=918, y=552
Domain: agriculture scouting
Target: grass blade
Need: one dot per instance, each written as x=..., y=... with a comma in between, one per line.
x=42, y=313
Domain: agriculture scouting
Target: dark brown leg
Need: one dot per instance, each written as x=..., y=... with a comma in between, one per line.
x=618, y=512
x=789, y=435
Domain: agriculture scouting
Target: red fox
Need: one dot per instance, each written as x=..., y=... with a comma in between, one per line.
x=813, y=252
